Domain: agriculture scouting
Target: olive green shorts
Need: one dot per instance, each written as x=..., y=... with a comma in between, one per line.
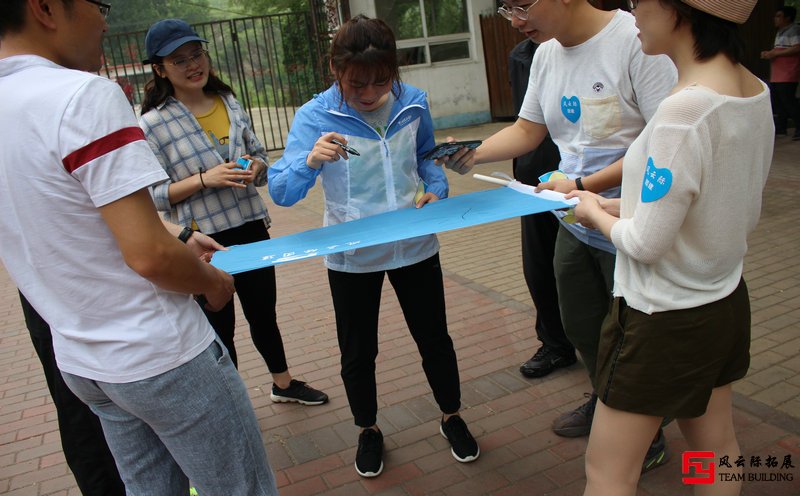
x=667, y=363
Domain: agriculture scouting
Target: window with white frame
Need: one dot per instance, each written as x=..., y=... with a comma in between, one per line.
x=428, y=31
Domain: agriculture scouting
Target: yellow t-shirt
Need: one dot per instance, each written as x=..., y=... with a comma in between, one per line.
x=217, y=126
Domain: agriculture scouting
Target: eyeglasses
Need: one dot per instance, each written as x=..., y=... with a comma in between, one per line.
x=105, y=8
x=518, y=12
x=632, y=4
x=182, y=63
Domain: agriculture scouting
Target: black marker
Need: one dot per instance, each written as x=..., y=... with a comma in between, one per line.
x=346, y=148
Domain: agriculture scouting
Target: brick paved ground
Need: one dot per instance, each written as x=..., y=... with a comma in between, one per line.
x=491, y=321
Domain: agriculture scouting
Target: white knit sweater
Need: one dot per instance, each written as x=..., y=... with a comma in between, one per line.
x=682, y=233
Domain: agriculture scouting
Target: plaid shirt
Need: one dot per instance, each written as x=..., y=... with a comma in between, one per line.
x=183, y=149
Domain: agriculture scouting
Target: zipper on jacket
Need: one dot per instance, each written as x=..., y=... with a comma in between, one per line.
x=388, y=126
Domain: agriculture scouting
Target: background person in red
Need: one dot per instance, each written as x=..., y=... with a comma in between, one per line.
x=785, y=62
x=127, y=88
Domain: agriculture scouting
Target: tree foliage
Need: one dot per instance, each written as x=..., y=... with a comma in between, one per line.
x=441, y=17
x=264, y=7
x=138, y=15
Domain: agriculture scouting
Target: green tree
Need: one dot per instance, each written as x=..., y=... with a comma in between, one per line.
x=138, y=15
x=264, y=7
x=442, y=17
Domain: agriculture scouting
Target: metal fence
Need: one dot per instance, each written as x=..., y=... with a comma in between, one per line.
x=274, y=63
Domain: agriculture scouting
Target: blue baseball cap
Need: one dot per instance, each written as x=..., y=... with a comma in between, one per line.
x=166, y=36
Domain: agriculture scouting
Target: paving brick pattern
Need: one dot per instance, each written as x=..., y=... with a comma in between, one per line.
x=491, y=319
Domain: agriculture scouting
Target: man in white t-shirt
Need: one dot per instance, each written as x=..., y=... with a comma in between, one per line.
x=593, y=90
x=81, y=238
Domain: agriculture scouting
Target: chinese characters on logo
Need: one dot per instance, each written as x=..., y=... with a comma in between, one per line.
x=699, y=467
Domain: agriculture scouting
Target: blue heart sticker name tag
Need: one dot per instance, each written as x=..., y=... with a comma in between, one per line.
x=571, y=108
x=656, y=183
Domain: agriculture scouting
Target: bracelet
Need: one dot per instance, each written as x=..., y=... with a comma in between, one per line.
x=579, y=184
x=185, y=234
x=202, y=183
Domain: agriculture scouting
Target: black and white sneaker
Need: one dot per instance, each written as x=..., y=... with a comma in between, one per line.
x=298, y=392
x=369, y=457
x=463, y=445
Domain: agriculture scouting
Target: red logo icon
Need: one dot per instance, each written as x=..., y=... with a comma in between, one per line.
x=695, y=460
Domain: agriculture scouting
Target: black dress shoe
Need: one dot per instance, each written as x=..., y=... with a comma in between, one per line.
x=545, y=361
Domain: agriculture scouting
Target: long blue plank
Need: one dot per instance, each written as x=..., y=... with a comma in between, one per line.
x=457, y=212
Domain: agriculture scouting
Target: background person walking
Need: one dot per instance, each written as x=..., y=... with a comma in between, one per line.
x=785, y=71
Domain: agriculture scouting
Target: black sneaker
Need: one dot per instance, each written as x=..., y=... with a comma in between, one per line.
x=656, y=454
x=298, y=392
x=369, y=457
x=578, y=422
x=545, y=361
x=462, y=444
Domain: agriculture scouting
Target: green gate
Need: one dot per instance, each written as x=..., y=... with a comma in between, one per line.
x=274, y=63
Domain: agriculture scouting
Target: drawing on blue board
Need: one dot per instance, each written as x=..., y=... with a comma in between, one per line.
x=458, y=212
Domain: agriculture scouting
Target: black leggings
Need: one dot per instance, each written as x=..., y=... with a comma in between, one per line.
x=356, y=301
x=258, y=296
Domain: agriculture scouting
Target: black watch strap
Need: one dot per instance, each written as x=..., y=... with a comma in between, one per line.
x=579, y=184
x=185, y=234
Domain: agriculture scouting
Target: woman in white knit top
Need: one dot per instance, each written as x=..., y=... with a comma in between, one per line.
x=679, y=330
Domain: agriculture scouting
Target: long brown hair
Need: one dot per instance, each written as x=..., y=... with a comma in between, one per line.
x=159, y=88
x=364, y=47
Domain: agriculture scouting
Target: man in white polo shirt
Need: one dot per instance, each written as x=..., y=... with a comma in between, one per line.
x=82, y=240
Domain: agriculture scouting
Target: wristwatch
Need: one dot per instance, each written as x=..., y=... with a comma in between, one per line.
x=185, y=234
x=579, y=184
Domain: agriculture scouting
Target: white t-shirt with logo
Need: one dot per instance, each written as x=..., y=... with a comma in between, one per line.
x=71, y=144
x=595, y=98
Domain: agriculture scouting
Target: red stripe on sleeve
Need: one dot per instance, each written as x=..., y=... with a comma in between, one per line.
x=101, y=146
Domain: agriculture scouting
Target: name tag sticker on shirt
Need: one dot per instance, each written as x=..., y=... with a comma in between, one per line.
x=571, y=108
x=657, y=182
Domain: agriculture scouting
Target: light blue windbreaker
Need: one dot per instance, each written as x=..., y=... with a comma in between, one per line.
x=385, y=177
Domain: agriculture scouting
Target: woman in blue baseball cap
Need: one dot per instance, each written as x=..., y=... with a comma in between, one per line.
x=205, y=141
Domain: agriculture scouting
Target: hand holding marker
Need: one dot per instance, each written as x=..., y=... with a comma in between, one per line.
x=348, y=149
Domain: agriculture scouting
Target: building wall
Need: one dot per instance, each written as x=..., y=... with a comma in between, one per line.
x=457, y=90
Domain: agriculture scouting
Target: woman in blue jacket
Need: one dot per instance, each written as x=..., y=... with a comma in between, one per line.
x=369, y=110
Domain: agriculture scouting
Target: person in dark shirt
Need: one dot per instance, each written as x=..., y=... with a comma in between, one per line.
x=539, y=236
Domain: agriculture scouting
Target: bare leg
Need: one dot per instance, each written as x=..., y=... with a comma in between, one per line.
x=714, y=432
x=617, y=446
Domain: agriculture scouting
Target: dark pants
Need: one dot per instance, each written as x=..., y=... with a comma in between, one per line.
x=784, y=98
x=356, y=301
x=82, y=439
x=585, y=280
x=258, y=296
x=538, y=249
